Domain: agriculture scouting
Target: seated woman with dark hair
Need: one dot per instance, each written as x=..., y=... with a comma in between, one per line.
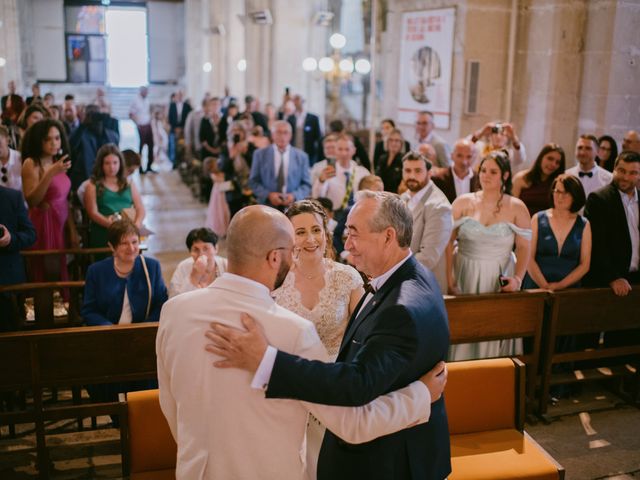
x=202, y=267
x=561, y=239
x=125, y=288
x=533, y=186
x=607, y=152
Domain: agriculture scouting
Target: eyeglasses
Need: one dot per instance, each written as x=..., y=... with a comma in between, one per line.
x=560, y=192
x=4, y=171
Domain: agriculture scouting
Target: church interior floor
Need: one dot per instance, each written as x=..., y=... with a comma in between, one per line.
x=602, y=444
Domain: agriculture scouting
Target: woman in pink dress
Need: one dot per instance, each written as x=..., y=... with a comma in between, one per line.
x=46, y=188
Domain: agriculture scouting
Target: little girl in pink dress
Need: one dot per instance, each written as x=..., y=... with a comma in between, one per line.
x=218, y=215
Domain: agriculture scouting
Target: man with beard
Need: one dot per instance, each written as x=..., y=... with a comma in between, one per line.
x=431, y=211
x=224, y=428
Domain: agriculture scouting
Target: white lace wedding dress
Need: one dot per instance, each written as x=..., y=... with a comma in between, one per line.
x=330, y=316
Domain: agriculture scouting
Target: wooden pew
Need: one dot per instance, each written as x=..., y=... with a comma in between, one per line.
x=82, y=258
x=584, y=311
x=478, y=318
x=74, y=356
x=43, y=294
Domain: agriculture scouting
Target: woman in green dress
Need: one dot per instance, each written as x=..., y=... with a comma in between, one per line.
x=109, y=196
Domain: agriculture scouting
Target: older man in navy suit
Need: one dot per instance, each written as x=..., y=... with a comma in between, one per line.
x=280, y=173
x=398, y=332
x=16, y=233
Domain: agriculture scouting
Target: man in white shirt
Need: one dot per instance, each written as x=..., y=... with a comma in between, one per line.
x=339, y=182
x=587, y=170
x=10, y=163
x=431, y=211
x=425, y=134
x=329, y=148
x=224, y=428
x=140, y=113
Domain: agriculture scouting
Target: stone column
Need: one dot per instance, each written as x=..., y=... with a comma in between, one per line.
x=10, y=46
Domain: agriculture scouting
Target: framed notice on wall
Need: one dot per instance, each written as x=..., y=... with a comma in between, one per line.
x=426, y=57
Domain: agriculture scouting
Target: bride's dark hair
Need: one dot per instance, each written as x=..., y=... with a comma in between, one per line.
x=315, y=208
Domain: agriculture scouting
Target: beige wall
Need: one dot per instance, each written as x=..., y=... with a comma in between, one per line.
x=576, y=67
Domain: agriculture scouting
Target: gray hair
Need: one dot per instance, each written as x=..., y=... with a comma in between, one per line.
x=392, y=212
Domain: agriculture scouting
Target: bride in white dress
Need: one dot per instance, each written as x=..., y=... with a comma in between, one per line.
x=319, y=289
x=487, y=225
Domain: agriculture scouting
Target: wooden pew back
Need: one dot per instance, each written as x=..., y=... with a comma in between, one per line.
x=74, y=357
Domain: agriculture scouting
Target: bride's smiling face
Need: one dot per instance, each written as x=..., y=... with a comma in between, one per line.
x=310, y=239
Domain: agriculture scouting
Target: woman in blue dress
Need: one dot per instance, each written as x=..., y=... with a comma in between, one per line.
x=561, y=239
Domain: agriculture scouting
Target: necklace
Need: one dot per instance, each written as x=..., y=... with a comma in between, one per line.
x=121, y=273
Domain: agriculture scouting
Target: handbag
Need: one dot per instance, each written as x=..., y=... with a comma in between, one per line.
x=146, y=274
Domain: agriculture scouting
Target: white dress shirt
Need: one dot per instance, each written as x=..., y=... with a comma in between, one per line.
x=630, y=205
x=13, y=173
x=599, y=178
x=462, y=185
x=141, y=110
x=414, y=200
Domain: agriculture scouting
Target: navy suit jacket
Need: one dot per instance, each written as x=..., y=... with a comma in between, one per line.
x=14, y=217
x=311, y=136
x=264, y=179
x=104, y=293
x=399, y=335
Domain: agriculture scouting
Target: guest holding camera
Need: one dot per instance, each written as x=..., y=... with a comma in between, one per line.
x=235, y=163
x=109, y=196
x=560, y=240
x=501, y=136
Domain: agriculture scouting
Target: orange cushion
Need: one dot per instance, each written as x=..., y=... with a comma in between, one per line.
x=155, y=475
x=152, y=445
x=480, y=395
x=499, y=455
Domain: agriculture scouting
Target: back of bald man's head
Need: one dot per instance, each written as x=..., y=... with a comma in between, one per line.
x=253, y=232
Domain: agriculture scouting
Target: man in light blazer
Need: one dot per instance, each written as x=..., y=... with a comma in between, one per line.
x=398, y=331
x=431, y=211
x=280, y=173
x=224, y=428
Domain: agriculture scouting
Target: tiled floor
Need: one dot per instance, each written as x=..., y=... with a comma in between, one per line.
x=604, y=444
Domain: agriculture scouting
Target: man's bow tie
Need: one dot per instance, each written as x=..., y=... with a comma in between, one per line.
x=368, y=288
x=585, y=174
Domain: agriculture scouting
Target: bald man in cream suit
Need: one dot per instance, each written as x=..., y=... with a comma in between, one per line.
x=224, y=428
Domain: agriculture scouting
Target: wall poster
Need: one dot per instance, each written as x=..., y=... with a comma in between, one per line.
x=426, y=58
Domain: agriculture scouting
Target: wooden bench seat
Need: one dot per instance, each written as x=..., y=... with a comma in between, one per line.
x=485, y=406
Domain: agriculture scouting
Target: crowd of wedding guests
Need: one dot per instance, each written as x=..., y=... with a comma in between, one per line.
x=486, y=217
